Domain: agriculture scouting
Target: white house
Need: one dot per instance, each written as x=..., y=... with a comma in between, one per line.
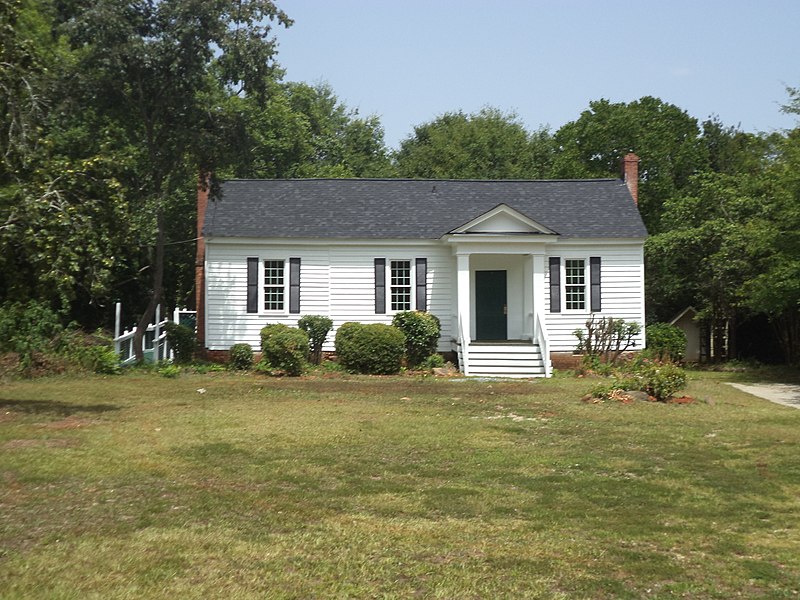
x=511, y=268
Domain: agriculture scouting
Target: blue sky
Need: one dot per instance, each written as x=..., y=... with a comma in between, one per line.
x=408, y=61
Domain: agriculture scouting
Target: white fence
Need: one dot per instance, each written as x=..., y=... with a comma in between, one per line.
x=154, y=340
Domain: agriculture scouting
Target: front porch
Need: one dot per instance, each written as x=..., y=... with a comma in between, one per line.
x=500, y=299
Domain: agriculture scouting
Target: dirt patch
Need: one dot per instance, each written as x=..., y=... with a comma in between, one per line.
x=39, y=443
x=7, y=416
x=71, y=422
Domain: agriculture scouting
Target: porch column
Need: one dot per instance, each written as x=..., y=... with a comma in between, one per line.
x=463, y=297
x=538, y=291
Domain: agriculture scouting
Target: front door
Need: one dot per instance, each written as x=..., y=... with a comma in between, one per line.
x=490, y=305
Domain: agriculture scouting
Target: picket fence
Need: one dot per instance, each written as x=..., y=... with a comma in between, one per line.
x=154, y=342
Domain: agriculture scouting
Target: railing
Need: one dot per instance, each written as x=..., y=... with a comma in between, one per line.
x=464, y=345
x=154, y=341
x=540, y=333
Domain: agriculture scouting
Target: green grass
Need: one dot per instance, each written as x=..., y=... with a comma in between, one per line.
x=335, y=486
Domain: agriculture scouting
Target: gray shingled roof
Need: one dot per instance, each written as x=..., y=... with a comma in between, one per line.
x=416, y=209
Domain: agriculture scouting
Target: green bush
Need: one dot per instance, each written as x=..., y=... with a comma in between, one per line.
x=240, y=357
x=28, y=328
x=285, y=348
x=434, y=361
x=658, y=379
x=181, y=339
x=662, y=380
x=375, y=349
x=666, y=342
x=317, y=328
x=169, y=371
x=93, y=353
x=422, y=334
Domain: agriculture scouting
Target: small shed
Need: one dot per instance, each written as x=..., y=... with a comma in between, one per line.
x=686, y=321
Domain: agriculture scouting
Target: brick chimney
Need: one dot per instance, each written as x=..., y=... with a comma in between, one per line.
x=630, y=175
x=203, y=188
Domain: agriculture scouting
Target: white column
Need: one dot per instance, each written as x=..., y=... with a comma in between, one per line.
x=538, y=291
x=463, y=296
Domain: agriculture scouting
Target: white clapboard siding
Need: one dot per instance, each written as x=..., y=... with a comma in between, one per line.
x=622, y=292
x=337, y=281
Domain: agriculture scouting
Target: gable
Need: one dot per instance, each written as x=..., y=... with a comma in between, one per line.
x=503, y=219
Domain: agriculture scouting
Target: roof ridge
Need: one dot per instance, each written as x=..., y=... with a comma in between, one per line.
x=424, y=180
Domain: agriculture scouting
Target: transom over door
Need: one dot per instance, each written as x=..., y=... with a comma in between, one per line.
x=491, y=305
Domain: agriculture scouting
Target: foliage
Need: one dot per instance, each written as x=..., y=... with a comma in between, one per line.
x=28, y=328
x=486, y=145
x=606, y=338
x=375, y=349
x=317, y=328
x=170, y=371
x=285, y=348
x=94, y=353
x=666, y=342
x=181, y=339
x=665, y=137
x=434, y=361
x=422, y=331
x=661, y=380
x=240, y=357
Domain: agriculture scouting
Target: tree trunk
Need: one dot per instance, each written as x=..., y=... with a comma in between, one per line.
x=158, y=288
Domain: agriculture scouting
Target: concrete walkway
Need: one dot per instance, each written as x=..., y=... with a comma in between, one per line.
x=780, y=393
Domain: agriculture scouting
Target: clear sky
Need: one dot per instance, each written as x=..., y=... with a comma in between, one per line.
x=408, y=61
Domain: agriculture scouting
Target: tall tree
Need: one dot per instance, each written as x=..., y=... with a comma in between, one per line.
x=665, y=137
x=154, y=67
x=487, y=145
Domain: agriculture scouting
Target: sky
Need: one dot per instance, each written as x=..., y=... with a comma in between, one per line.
x=409, y=61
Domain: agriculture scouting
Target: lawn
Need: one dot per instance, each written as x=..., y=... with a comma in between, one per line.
x=139, y=486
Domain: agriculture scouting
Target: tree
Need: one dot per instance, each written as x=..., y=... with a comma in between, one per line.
x=154, y=68
x=665, y=137
x=486, y=145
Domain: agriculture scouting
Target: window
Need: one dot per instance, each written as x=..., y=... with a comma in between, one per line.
x=400, y=284
x=575, y=283
x=273, y=284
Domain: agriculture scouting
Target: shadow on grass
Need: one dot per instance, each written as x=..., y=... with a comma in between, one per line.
x=53, y=407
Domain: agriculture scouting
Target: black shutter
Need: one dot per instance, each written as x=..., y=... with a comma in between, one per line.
x=422, y=283
x=555, y=284
x=294, y=285
x=594, y=280
x=380, y=286
x=252, y=285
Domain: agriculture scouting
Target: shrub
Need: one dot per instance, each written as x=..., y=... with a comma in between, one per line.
x=93, y=353
x=169, y=371
x=285, y=348
x=317, y=328
x=657, y=379
x=662, y=380
x=181, y=340
x=28, y=328
x=607, y=338
x=434, y=361
x=240, y=357
x=422, y=334
x=373, y=349
x=666, y=342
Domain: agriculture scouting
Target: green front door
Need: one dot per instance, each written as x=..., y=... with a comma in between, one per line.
x=490, y=305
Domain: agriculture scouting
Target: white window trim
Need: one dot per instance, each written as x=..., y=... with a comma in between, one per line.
x=262, y=285
x=412, y=274
x=586, y=285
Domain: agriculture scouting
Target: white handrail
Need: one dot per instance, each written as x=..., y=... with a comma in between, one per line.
x=464, y=347
x=541, y=339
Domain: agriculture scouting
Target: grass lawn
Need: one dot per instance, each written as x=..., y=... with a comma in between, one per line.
x=139, y=486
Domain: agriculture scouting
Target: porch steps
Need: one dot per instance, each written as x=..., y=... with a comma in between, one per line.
x=505, y=360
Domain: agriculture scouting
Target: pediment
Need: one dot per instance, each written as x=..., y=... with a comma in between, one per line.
x=503, y=220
